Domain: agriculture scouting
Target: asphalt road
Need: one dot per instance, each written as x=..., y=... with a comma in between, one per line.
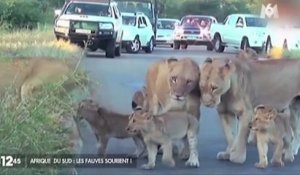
x=119, y=78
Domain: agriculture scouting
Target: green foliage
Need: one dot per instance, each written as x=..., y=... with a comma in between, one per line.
x=218, y=8
x=26, y=13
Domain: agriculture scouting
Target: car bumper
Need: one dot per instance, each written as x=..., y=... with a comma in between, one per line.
x=193, y=39
x=74, y=36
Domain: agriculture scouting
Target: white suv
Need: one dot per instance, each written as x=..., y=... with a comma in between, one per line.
x=138, y=33
x=96, y=22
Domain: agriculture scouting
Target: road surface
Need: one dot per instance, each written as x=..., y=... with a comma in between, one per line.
x=119, y=78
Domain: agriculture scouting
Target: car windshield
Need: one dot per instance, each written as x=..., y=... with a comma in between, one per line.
x=166, y=24
x=133, y=7
x=88, y=9
x=129, y=20
x=196, y=21
x=256, y=22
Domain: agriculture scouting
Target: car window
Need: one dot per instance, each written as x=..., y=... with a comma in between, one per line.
x=140, y=21
x=115, y=13
x=129, y=20
x=239, y=22
x=166, y=24
x=144, y=21
x=256, y=22
x=88, y=9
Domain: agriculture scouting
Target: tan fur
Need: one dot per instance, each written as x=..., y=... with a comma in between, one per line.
x=106, y=125
x=163, y=130
x=271, y=125
x=295, y=123
x=28, y=74
x=247, y=54
x=236, y=86
x=172, y=84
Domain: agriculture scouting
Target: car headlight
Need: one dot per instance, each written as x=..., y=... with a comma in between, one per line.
x=106, y=26
x=63, y=23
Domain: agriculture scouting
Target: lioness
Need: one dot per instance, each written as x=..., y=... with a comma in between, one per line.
x=236, y=86
x=106, y=125
x=27, y=74
x=173, y=84
x=163, y=130
x=269, y=126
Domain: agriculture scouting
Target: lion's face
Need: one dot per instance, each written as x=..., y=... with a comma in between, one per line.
x=263, y=117
x=138, y=120
x=215, y=79
x=183, y=78
x=89, y=110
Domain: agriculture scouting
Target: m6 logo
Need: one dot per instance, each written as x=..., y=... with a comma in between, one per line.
x=269, y=11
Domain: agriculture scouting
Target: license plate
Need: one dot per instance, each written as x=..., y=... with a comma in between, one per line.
x=83, y=31
x=192, y=37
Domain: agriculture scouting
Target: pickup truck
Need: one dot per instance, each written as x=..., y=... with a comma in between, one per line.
x=239, y=31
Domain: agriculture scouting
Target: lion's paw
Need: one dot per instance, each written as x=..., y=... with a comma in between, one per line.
x=289, y=156
x=169, y=162
x=277, y=163
x=237, y=156
x=148, y=166
x=223, y=156
x=194, y=162
x=261, y=164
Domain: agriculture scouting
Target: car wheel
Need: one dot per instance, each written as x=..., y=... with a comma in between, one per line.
x=176, y=45
x=92, y=48
x=209, y=47
x=134, y=46
x=268, y=46
x=118, y=50
x=218, y=44
x=184, y=46
x=150, y=47
x=245, y=44
x=172, y=45
x=110, y=48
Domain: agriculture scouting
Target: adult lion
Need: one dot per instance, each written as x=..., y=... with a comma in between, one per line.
x=27, y=74
x=173, y=84
x=236, y=86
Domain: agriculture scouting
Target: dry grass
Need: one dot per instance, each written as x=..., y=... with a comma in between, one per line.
x=29, y=128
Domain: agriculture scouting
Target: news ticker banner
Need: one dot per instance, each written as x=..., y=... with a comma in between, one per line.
x=66, y=161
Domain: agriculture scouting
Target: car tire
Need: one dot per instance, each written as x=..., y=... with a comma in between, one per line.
x=210, y=47
x=268, y=46
x=171, y=45
x=176, y=45
x=92, y=47
x=244, y=44
x=134, y=46
x=150, y=47
x=184, y=46
x=218, y=44
x=111, y=49
x=118, y=50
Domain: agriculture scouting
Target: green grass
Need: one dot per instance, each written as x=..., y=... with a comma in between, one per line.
x=33, y=127
x=293, y=54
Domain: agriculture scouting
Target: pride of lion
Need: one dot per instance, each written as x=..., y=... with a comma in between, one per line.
x=261, y=96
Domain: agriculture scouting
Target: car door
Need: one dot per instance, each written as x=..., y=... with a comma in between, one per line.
x=239, y=30
x=118, y=23
x=141, y=31
x=148, y=31
x=231, y=30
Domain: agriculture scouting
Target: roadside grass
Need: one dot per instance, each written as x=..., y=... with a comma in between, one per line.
x=292, y=54
x=32, y=127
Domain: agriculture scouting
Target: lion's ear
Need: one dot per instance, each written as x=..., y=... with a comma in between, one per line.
x=273, y=113
x=208, y=60
x=171, y=60
x=229, y=67
x=258, y=107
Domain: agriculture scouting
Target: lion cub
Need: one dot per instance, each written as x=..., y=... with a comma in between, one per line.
x=163, y=130
x=269, y=125
x=106, y=125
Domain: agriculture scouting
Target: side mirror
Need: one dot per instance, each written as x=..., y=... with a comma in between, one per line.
x=142, y=25
x=57, y=12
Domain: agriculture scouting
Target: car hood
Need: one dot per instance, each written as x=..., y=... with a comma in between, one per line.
x=164, y=32
x=86, y=18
